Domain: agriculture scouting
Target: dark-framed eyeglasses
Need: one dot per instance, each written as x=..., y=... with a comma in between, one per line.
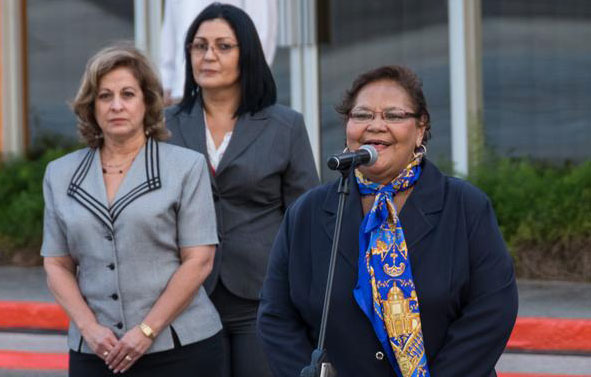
x=390, y=116
x=201, y=48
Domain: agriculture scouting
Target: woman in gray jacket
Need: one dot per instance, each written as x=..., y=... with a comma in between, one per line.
x=129, y=232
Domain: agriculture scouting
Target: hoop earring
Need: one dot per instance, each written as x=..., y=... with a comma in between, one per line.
x=421, y=150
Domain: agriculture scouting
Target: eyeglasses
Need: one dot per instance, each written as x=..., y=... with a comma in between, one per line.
x=201, y=48
x=389, y=116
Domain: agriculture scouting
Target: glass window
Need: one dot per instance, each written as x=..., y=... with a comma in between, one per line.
x=537, y=81
x=61, y=36
x=368, y=34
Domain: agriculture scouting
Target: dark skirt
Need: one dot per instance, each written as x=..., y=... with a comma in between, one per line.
x=200, y=359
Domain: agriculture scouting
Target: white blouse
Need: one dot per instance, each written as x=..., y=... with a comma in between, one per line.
x=215, y=155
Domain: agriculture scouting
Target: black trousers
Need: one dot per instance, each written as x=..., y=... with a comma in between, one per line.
x=200, y=359
x=243, y=353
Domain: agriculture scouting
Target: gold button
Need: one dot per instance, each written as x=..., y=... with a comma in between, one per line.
x=380, y=355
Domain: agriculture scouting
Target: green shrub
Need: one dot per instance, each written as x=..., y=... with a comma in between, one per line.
x=543, y=211
x=21, y=207
x=536, y=203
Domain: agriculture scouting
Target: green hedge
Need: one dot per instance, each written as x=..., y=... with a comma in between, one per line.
x=544, y=211
x=538, y=203
x=21, y=222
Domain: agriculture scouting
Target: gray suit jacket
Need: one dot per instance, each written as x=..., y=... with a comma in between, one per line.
x=267, y=165
x=127, y=251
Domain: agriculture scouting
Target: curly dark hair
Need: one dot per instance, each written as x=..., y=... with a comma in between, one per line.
x=103, y=62
x=404, y=77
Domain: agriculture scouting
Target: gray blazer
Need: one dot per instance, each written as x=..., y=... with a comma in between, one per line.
x=267, y=165
x=126, y=252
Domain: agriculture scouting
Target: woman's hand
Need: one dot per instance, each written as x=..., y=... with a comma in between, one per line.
x=128, y=350
x=61, y=279
x=100, y=339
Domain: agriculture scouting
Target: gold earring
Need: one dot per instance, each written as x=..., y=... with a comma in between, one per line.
x=421, y=150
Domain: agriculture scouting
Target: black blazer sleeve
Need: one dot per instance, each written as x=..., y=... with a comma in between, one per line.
x=280, y=325
x=476, y=339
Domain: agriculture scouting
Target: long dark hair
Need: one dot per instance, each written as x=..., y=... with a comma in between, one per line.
x=258, y=88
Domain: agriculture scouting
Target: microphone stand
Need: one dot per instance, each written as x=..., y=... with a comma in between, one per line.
x=318, y=366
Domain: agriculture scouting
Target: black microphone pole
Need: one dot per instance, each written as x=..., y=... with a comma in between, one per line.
x=318, y=366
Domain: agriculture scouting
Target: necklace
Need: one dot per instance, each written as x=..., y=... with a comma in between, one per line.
x=105, y=171
x=120, y=164
x=118, y=168
x=110, y=169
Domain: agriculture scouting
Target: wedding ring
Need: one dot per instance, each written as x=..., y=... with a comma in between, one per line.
x=128, y=358
x=106, y=353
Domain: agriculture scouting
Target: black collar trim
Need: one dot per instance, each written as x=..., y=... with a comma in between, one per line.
x=108, y=215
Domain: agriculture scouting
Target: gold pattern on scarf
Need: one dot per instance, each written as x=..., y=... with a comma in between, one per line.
x=394, y=271
x=381, y=249
x=401, y=321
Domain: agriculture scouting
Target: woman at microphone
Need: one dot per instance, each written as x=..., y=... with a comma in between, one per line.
x=423, y=286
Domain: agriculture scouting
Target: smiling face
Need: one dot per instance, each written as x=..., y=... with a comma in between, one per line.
x=217, y=69
x=119, y=106
x=395, y=142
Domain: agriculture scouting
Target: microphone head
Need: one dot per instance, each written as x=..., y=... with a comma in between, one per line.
x=373, y=154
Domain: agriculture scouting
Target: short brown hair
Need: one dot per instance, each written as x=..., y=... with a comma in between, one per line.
x=404, y=77
x=103, y=62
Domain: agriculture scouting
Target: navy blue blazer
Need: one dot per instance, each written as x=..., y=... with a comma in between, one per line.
x=463, y=274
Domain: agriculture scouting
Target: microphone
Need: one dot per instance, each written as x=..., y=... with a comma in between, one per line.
x=365, y=155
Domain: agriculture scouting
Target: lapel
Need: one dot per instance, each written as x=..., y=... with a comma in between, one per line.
x=425, y=200
x=352, y=217
x=247, y=129
x=192, y=129
x=87, y=186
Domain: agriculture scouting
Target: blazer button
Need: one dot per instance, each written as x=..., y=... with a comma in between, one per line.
x=114, y=296
x=119, y=325
x=379, y=355
x=111, y=266
x=109, y=237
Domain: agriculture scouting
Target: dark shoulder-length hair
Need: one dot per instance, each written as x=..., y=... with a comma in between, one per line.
x=404, y=77
x=106, y=60
x=258, y=88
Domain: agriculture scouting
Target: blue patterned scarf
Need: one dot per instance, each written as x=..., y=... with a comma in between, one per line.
x=385, y=288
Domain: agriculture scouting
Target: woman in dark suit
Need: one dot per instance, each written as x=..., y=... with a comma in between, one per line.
x=260, y=161
x=424, y=285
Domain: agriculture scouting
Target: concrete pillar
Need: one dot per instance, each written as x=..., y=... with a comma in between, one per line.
x=13, y=127
x=465, y=45
x=147, y=26
x=297, y=30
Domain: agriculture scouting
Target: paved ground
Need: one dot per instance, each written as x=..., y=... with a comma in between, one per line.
x=23, y=284
x=536, y=299
x=546, y=364
x=554, y=299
